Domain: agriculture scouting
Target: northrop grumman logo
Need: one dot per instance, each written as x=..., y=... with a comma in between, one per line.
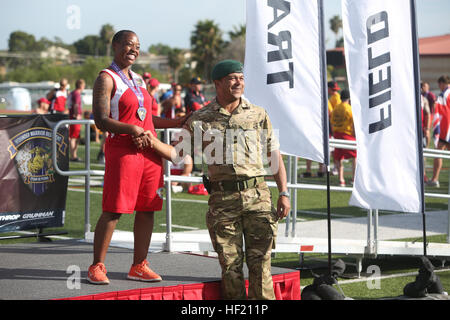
x=32, y=152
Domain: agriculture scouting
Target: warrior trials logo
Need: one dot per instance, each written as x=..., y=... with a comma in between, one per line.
x=32, y=152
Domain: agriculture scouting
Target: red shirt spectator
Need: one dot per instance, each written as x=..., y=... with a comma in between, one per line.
x=58, y=97
x=152, y=88
x=75, y=105
x=425, y=88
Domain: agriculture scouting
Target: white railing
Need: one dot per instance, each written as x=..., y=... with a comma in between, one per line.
x=87, y=173
x=293, y=185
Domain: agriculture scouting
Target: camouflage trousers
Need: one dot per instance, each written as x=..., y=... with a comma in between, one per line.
x=237, y=216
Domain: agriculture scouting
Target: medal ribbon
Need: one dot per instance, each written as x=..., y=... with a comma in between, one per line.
x=133, y=86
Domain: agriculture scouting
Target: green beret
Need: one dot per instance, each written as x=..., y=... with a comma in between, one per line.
x=225, y=67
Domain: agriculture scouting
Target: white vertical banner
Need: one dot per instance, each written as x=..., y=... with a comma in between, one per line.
x=284, y=71
x=380, y=68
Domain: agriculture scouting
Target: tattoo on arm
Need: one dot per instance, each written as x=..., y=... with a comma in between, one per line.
x=101, y=100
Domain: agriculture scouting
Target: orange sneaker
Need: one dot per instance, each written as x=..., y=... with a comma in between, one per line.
x=142, y=272
x=97, y=274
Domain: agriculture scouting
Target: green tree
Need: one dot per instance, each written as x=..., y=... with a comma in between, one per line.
x=44, y=43
x=185, y=75
x=160, y=49
x=91, y=67
x=206, y=45
x=21, y=41
x=141, y=68
x=336, y=26
x=90, y=45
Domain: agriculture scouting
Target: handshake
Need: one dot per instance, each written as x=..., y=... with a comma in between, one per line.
x=144, y=140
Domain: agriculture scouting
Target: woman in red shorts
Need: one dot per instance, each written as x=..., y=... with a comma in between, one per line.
x=133, y=175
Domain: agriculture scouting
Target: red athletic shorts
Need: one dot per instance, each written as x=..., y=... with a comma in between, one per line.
x=340, y=154
x=74, y=131
x=132, y=178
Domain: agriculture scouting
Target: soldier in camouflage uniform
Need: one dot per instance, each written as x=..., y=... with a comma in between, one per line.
x=238, y=144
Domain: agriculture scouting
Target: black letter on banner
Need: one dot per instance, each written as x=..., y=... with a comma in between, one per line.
x=282, y=76
x=280, y=54
x=378, y=100
x=278, y=5
x=383, y=123
x=380, y=34
x=375, y=88
x=378, y=61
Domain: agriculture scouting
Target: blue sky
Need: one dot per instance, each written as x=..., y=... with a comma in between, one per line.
x=163, y=21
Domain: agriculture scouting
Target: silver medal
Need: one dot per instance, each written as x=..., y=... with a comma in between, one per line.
x=142, y=113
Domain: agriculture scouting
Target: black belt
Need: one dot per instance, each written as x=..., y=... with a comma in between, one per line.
x=236, y=185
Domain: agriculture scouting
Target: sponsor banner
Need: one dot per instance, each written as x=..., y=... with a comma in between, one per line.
x=284, y=73
x=13, y=221
x=379, y=52
x=32, y=194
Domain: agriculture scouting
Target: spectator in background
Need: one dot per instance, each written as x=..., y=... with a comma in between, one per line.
x=95, y=133
x=101, y=152
x=147, y=76
x=194, y=99
x=169, y=93
x=426, y=125
x=442, y=113
x=186, y=165
x=342, y=125
x=97, y=136
x=428, y=100
x=173, y=105
x=333, y=94
x=58, y=97
x=42, y=107
x=425, y=89
x=75, y=113
x=182, y=168
x=152, y=88
x=426, y=120
x=334, y=99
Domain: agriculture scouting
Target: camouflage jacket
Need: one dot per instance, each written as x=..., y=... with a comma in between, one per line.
x=234, y=146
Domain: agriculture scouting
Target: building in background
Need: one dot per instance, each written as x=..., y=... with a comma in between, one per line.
x=434, y=59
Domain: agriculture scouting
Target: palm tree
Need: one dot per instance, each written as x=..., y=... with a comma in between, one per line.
x=238, y=31
x=336, y=26
x=106, y=34
x=206, y=44
x=176, y=61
